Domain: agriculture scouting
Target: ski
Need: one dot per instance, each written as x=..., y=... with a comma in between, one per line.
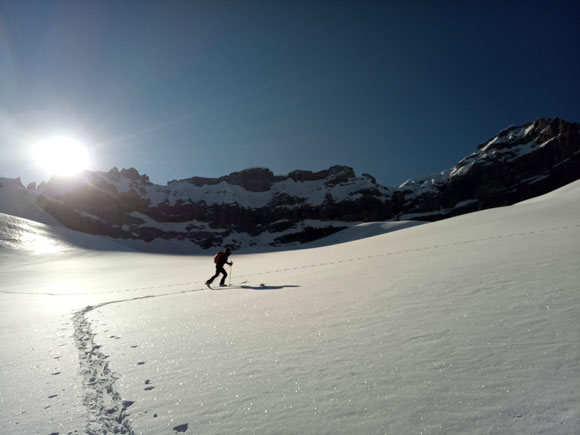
x=226, y=286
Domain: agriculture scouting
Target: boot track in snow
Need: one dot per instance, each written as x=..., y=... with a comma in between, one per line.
x=106, y=409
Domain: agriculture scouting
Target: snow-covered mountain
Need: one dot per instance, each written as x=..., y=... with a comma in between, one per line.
x=467, y=325
x=18, y=201
x=256, y=208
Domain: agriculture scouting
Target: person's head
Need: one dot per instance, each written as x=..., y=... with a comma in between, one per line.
x=228, y=250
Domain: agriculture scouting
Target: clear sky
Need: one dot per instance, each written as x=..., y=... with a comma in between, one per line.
x=397, y=89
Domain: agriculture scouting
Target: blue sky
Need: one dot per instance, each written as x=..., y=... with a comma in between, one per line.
x=397, y=89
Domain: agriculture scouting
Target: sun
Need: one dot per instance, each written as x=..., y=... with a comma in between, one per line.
x=62, y=156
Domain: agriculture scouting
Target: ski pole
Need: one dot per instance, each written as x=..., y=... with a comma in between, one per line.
x=230, y=278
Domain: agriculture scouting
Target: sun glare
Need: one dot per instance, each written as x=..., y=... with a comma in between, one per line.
x=62, y=156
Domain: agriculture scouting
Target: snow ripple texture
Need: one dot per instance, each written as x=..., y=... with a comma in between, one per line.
x=106, y=409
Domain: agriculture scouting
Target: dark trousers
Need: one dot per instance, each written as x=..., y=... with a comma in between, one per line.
x=219, y=269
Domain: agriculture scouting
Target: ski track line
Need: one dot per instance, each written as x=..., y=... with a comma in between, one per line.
x=348, y=260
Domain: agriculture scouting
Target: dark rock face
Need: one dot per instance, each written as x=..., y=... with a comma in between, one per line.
x=252, y=180
x=254, y=206
x=521, y=163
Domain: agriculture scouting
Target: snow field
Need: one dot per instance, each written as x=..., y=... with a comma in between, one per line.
x=468, y=325
x=463, y=326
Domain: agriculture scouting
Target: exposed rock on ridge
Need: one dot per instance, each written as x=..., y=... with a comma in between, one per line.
x=256, y=207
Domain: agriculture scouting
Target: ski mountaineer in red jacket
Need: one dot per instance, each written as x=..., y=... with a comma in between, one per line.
x=220, y=259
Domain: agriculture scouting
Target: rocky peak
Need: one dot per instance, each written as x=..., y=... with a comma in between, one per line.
x=261, y=179
x=114, y=174
x=252, y=179
x=336, y=172
x=339, y=174
x=513, y=135
x=131, y=174
x=540, y=130
x=548, y=128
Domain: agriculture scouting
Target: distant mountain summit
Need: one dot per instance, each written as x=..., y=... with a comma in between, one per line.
x=255, y=207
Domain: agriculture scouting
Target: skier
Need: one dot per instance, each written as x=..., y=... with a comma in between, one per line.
x=220, y=259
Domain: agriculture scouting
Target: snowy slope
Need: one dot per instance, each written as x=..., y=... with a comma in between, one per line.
x=16, y=200
x=467, y=325
x=23, y=237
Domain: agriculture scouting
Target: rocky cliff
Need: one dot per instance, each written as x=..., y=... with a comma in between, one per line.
x=255, y=207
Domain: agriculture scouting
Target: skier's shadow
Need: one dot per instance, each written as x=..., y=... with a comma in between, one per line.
x=267, y=287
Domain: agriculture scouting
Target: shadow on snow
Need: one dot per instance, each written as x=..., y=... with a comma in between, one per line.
x=267, y=287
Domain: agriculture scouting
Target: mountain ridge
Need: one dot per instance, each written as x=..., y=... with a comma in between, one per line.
x=255, y=207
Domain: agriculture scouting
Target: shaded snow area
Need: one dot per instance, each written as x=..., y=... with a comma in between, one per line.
x=467, y=325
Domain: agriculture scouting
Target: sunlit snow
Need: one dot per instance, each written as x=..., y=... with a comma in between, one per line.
x=467, y=325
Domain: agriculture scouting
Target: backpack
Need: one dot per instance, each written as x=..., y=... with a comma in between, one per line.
x=218, y=257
